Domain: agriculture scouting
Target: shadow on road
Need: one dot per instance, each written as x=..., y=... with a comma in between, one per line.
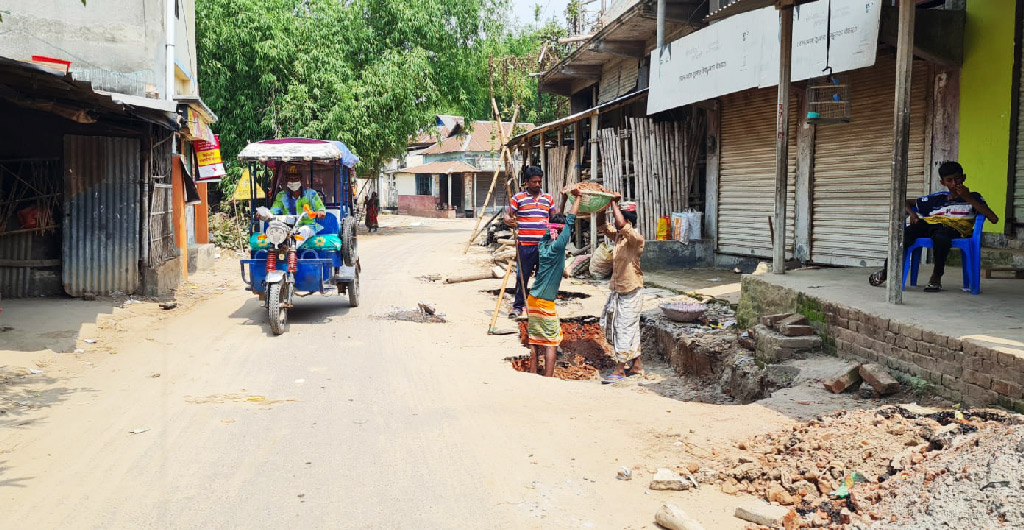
x=54, y=323
x=314, y=309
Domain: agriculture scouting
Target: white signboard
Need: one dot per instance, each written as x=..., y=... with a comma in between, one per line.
x=742, y=51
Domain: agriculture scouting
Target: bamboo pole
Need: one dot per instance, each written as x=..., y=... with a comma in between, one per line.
x=494, y=178
x=501, y=295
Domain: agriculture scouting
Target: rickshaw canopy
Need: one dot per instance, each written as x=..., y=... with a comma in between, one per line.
x=298, y=149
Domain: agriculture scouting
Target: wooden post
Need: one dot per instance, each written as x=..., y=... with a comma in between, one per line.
x=782, y=139
x=543, y=154
x=594, y=152
x=901, y=142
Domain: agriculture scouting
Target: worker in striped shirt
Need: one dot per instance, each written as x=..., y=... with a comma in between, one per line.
x=529, y=211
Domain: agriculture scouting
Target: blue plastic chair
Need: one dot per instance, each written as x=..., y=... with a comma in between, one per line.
x=970, y=247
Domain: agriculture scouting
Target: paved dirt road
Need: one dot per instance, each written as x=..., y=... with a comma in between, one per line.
x=347, y=421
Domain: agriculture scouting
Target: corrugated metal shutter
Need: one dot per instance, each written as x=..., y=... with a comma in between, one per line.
x=101, y=205
x=608, y=87
x=746, y=193
x=14, y=280
x=1018, y=180
x=628, y=76
x=853, y=165
x=499, y=198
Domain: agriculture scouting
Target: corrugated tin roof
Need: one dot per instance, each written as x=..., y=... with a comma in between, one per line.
x=484, y=138
x=454, y=166
x=34, y=87
x=621, y=100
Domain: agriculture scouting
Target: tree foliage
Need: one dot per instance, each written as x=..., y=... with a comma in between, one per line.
x=370, y=73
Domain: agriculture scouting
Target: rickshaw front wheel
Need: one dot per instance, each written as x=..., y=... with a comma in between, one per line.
x=353, y=292
x=276, y=311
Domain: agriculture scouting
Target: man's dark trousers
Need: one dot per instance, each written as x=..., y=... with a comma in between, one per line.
x=942, y=238
x=529, y=256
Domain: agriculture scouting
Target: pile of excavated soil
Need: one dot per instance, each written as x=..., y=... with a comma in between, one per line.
x=894, y=453
x=576, y=369
x=412, y=315
x=581, y=336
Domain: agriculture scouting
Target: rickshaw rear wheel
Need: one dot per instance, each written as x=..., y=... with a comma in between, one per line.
x=349, y=244
x=275, y=310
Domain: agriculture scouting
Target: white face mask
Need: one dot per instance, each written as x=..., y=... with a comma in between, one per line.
x=294, y=186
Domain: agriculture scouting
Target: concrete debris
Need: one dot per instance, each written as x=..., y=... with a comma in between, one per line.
x=880, y=380
x=672, y=517
x=625, y=474
x=907, y=470
x=844, y=380
x=771, y=321
x=762, y=513
x=427, y=309
x=666, y=479
x=793, y=319
x=773, y=347
x=796, y=330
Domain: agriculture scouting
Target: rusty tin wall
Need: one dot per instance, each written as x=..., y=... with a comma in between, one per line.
x=101, y=215
x=14, y=280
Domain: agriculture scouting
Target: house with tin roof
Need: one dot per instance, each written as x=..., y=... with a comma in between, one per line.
x=449, y=168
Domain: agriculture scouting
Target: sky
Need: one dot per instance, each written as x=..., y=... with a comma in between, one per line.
x=523, y=9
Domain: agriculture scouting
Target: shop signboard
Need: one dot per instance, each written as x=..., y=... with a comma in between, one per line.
x=211, y=167
x=742, y=51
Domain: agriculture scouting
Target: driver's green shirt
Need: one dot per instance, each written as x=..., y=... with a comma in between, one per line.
x=284, y=204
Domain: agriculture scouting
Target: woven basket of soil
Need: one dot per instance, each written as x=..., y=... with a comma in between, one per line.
x=682, y=311
x=593, y=201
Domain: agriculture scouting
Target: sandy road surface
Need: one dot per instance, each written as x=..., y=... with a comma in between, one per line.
x=347, y=421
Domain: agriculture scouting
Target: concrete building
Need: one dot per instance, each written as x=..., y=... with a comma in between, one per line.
x=100, y=163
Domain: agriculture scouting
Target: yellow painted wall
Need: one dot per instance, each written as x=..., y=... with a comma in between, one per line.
x=986, y=97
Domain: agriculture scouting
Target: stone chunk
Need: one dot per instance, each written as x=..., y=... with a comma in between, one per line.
x=796, y=330
x=762, y=513
x=844, y=380
x=770, y=321
x=879, y=379
x=793, y=320
x=666, y=479
x=672, y=517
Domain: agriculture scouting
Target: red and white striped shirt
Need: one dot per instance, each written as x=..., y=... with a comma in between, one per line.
x=531, y=216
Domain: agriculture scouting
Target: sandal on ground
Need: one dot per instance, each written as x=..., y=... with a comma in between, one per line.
x=631, y=373
x=877, y=278
x=612, y=378
x=933, y=287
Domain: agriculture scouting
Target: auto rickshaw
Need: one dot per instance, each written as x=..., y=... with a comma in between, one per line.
x=282, y=262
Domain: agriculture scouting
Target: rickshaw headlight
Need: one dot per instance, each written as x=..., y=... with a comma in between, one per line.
x=277, y=233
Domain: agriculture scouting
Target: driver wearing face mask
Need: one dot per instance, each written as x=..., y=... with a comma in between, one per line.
x=291, y=201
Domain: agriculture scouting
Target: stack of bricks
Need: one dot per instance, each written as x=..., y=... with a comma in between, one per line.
x=960, y=370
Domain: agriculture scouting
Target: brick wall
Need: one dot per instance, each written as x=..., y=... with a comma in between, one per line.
x=965, y=371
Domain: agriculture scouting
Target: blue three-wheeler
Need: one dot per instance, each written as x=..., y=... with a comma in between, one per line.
x=300, y=249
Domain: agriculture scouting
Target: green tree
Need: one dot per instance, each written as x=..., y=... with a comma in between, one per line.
x=370, y=73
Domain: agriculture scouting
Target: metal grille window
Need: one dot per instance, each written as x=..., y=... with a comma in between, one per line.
x=161, y=223
x=423, y=184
